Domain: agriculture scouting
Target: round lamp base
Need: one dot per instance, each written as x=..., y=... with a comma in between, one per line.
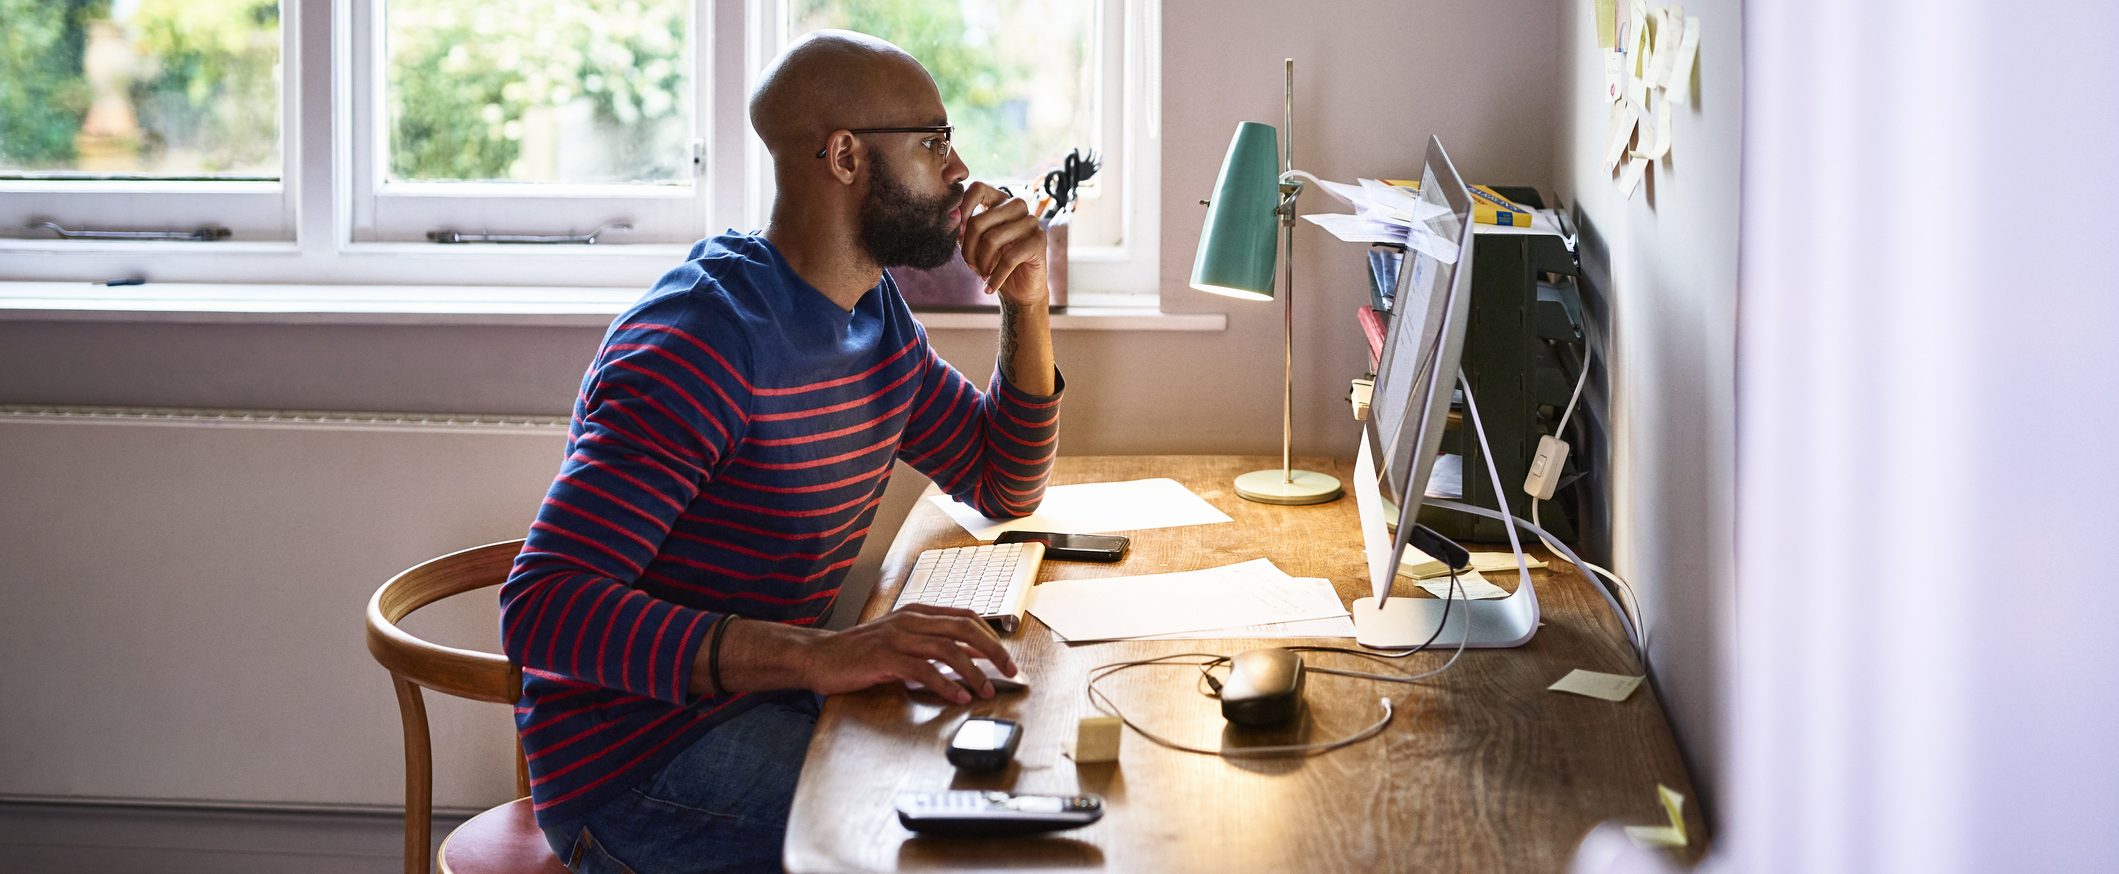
x=1270, y=487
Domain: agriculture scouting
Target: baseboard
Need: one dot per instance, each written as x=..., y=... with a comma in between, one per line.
x=92, y=839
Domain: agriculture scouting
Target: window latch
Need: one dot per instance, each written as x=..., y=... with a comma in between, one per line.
x=588, y=239
x=202, y=234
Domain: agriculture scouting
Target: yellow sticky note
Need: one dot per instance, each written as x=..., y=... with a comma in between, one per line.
x=1672, y=835
x=1607, y=23
x=1594, y=684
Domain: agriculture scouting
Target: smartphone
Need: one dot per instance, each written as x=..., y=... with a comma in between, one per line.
x=984, y=743
x=1072, y=547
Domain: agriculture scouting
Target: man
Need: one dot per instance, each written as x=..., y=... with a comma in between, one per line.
x=728, y=450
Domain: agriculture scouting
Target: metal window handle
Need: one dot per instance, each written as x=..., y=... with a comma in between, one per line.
x=588, y=239
x=203, y=234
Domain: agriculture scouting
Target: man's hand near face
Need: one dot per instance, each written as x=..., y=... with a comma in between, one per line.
x=1004, y=244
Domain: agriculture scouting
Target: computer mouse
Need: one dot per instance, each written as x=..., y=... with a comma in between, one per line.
x=1264, y=687
x=1001, y=682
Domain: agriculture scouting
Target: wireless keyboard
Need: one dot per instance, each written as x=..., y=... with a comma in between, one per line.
x=992, y=580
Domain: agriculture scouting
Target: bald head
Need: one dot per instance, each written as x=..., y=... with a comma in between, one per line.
x=834, y=79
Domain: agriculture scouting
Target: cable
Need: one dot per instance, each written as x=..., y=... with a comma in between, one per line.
x=1104, y=704
x=1580, y=381
x=1557, y=546
x=1633, y=615
x=1637, y=625
x=1455, y=590
x=1493, y=473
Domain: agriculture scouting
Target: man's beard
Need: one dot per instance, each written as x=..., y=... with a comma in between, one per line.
x=899, y=229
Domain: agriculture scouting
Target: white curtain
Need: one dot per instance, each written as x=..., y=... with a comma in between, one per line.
x=1927, y=653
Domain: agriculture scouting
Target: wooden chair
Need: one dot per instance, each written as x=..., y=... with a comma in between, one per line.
x=504, y=838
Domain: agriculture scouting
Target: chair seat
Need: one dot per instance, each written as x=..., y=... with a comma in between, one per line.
x=504, y=839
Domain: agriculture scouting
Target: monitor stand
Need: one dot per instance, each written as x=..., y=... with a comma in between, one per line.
x=1405, y=622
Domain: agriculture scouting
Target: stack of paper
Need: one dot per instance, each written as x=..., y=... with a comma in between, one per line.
x=1385, y=213
x=1251, y=599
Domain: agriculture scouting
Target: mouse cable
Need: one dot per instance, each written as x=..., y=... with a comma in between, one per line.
x=1456, y=591
x=1109, y=707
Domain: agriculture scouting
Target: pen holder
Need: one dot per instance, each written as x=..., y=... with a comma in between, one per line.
x=953, y=286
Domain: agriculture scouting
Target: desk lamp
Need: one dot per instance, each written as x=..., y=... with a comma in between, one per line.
x=1236, y=255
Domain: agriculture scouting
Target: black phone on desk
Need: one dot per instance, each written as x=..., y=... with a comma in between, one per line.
x=1072, y=547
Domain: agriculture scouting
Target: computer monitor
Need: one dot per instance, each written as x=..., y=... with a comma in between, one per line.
x=1408, y=414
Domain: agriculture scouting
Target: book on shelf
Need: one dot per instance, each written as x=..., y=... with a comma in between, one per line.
x=1488, y=206
x=1383, y=275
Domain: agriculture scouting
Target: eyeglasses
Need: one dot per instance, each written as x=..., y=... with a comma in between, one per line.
x=938, y=144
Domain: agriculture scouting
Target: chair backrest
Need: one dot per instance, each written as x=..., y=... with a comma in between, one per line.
x=414, y=663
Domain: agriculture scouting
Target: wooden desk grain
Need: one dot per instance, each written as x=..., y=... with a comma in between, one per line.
x=1482, y=770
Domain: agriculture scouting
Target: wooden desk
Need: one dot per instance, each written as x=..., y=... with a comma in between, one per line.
x=1482, y=770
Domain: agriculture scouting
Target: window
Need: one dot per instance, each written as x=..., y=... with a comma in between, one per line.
x=550, y=117
x=158, y=114
x=434, y=120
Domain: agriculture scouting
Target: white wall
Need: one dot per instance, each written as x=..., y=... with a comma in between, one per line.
x=1366, y=104
x=1660, y=275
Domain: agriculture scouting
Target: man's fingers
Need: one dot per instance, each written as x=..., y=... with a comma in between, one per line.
x=924, y=672
x=980, y=194
x=965, y=626
x=952, y=653
x=1016, y=255
x=994, y=244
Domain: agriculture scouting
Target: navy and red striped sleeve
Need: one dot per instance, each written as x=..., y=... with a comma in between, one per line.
x=992, y=450
x=660, y=408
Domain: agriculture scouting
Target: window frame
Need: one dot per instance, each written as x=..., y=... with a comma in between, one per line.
x=315, y=235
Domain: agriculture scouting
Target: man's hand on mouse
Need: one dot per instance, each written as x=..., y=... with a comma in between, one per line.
x=903, y=645
x=1004, y=244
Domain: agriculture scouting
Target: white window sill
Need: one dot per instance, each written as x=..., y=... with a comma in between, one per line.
x=183, y=303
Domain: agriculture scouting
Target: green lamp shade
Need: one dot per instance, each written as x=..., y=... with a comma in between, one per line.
x=1236, y=247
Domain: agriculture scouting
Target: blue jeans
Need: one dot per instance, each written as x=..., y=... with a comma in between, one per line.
x=721, y=805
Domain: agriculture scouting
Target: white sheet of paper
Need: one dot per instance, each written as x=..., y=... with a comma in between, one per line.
x=1310, y=593
x=1680, y=82
x=1336, y=626
x=1363, y=229
x=1344, y=192
x=1646, y=142
x=1664, y=35
x=1356, y=228
x=1630, y=178
x=1623, y=119
x=1471, y=587
x=1446, y=479
x=1662, y=128
x=1116, y=608
x=1596, y=684
x=1400, y=205
x=1095, y=508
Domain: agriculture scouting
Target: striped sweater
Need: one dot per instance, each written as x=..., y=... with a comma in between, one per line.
x=727, y=453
